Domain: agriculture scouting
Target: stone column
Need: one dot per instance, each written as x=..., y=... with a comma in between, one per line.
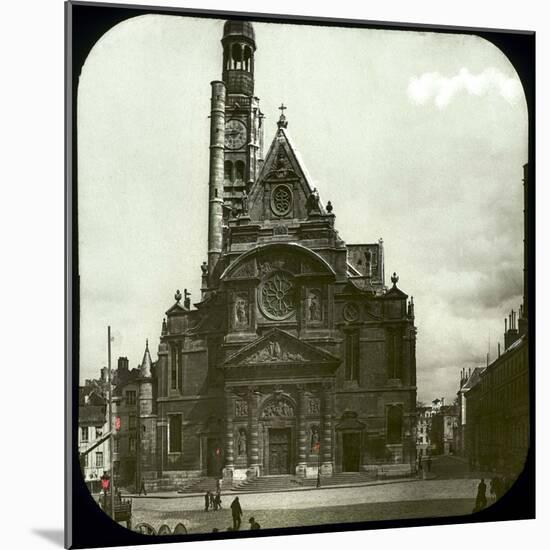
x=326, y=444
x=229, y=444
x=301, y=468
x=253, y=430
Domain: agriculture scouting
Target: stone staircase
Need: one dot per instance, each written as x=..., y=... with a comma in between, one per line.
x=266, y=484
x=199, y=485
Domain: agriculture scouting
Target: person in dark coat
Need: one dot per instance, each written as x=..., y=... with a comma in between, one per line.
x=429, y=463
x=211, y=497
x=236, y=512
x=481, y=499
x=206, y=501
x=218, y=501
x=142, y=488
x=253, y=524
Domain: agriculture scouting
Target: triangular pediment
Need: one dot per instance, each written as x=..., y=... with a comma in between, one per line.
x=283, y=186
x=280, y=348
x=177, y=309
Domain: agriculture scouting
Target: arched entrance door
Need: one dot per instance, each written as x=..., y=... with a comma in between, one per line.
x=279, y=451
x=278, y=425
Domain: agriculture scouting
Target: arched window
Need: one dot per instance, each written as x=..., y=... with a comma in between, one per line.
x=237, y=54
x=228, y=170
x=394, y=424
x=247, y=58
x=239, y=170
x=226, y=60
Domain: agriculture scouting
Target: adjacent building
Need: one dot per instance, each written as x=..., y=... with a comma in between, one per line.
x=495, y=423
x=423, y=431
x=444, y=430
x=93, y=446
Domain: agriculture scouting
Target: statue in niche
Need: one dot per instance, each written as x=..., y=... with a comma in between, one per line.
x=314, y=307
x=241, y=442
x=241, y=311
x=314, y=437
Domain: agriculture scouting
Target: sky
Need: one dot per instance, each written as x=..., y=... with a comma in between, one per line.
x=415, y=137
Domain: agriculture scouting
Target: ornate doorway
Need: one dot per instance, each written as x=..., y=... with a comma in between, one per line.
x=213, y=457
x=279, y=451
x=351, y=446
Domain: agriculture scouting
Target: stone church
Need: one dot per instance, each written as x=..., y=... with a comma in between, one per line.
x=298, y=358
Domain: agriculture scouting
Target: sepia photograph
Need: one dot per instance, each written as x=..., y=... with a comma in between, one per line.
x=302, y=254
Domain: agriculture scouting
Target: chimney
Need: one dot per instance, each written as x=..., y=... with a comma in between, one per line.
x=122, y=365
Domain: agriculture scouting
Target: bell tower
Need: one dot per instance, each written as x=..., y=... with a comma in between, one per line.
x=243, y=118
x=236, y=134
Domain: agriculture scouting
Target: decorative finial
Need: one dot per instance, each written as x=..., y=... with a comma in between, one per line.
x=394, y=278
x=164, y=327
x=329, y=207
x=177, y=296
x=282, y=119
x=204, y=268
x=146, y=343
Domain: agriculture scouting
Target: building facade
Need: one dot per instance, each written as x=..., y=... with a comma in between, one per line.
x=297, y=357
x=125, y=422
x=497, y=423
x=93, y=447
x=444, y=430
x=423, y=431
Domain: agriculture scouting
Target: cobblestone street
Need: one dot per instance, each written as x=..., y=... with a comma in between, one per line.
x=393, y=500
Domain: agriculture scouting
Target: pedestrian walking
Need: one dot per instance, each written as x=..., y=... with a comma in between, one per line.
x=218, y=485
x=218, y=501
x=211, y=498
x=236, y=512
x=253, y=524
x=481, y=498
x=142, y=488
x=206, y=501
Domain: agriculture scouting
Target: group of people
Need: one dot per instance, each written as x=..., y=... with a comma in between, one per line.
x=497, y=487
x=213, y=501
x=236, y=514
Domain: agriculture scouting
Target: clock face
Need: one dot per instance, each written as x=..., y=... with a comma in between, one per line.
x=235, y=134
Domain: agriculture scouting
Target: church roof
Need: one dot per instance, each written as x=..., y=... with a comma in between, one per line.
x=283, y=140
x=239, y=28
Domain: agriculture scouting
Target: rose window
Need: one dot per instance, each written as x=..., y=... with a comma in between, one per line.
x=281, y=200
x=277, y=296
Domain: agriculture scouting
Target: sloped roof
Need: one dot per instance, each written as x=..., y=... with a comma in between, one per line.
x=473, y=379
x=146, y=365
x=92, y=415
x=282, y=139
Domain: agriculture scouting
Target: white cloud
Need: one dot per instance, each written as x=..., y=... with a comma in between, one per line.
x=443, y=89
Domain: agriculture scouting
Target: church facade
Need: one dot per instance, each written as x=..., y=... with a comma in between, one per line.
x=298, y=358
